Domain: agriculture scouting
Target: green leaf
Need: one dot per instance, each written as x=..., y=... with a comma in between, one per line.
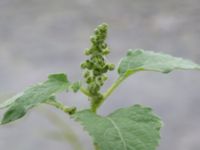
x=75, y=86
x=133, y=128
x=10, y=101
x=21, y=103
x=140, y=60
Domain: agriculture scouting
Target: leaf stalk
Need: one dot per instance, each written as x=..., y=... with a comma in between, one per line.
x=110, y=90
x=59, y=105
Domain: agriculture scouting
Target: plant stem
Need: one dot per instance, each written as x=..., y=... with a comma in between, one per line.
x=110, y=90
x=113, y=87
x=85, y=91
x=66, y=109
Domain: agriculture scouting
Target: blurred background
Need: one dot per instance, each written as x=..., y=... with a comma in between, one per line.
x=38, y=37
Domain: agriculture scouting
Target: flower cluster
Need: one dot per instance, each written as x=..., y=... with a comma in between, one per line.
x=96, y=67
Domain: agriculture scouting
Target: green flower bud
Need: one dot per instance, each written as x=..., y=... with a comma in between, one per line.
x=106, y=51
x=83, y=65
x=86, y=74
x=98, y=37
x=96, y=66
x=100, y=40
x=89, y=64
x=111, y=67
x=97, y=88
x=96, y=72
x=104, y=77
x=89, y=80
x=99, y=79
x=96, y=32
x=105, y=68
x=101, y=83
x=103, y=27
x=99, y=60
x=104, y=46
x=93, y=49
x=94, y=58
x=93, y=39
x=87, y=51
x=94, y=88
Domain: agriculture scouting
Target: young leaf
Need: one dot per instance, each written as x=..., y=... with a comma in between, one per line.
x=75, y=86
x=140, y=60
x=133, y=128
x=20, y=104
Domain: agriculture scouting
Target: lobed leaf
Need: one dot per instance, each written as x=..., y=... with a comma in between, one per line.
x=140, y=60
x=21, y=103
x=133, y=128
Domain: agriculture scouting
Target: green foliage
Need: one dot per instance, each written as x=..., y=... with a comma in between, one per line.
x=133, y=128
x=140, y=60
x=20, y=104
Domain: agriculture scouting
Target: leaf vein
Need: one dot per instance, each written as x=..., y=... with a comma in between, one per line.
x=119, y=132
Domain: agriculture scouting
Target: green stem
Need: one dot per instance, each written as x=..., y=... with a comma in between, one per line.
x=110, y=90
x=85, y=91
x=113, y=87
x=66, y=109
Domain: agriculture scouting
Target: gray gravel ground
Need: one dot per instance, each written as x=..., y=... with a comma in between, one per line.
x=38, y=37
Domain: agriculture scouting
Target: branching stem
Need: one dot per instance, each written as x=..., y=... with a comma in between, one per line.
x=110, y=90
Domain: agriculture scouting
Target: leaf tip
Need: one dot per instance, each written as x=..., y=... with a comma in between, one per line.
x=60, y=77
x=135, y=51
